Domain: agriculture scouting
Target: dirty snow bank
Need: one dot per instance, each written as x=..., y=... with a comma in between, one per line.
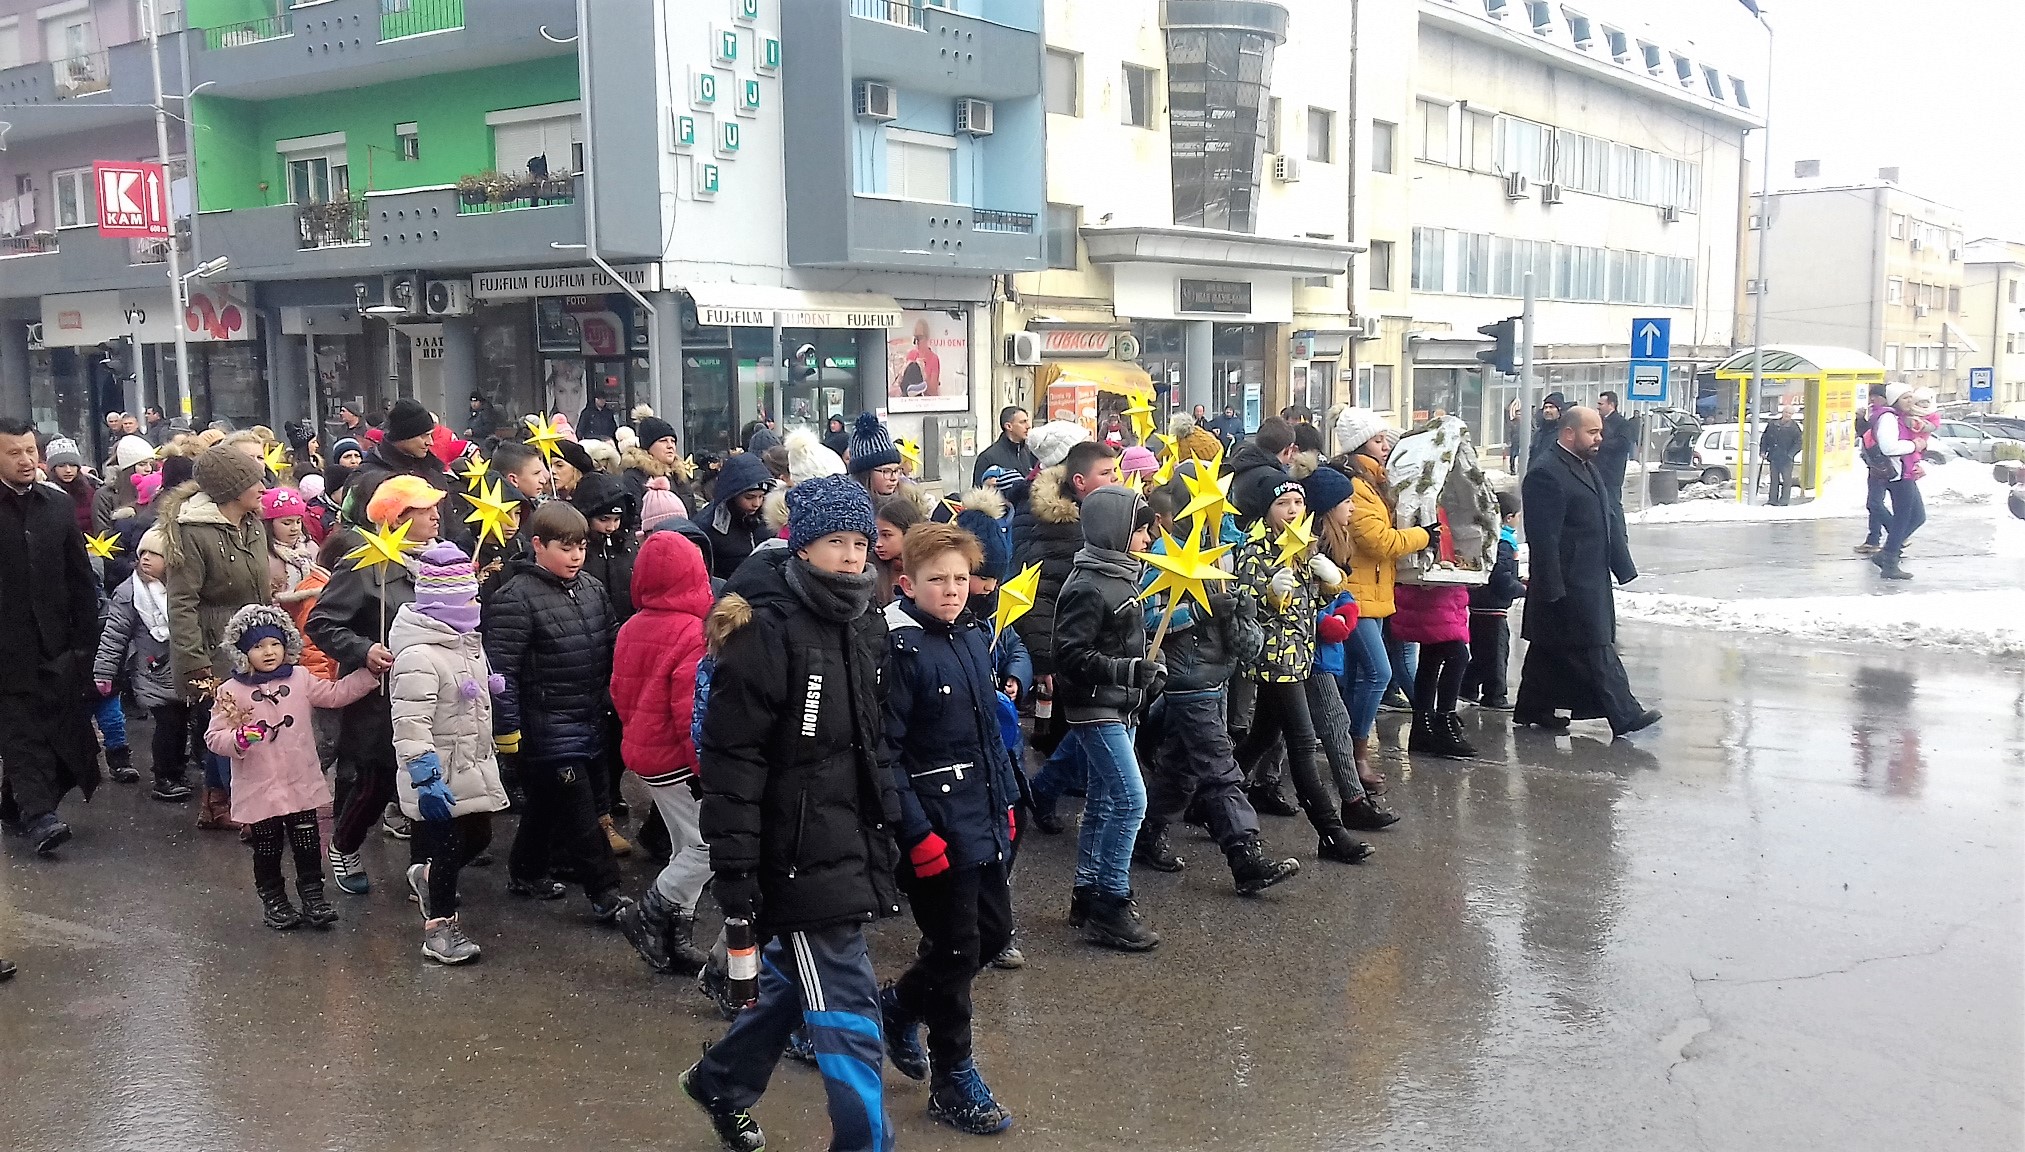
x=1960, y=482
x=1990, y=623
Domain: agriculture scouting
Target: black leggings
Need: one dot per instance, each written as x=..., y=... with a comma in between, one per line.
x=171, y=741
x=299, y=830
x=447, y=846
x=1439, y=681
x=1282, y=710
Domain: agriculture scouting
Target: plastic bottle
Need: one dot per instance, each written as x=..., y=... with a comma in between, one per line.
x=741, y=960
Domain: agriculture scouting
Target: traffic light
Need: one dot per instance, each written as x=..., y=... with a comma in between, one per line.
x=119, y=358
x=1503, y=354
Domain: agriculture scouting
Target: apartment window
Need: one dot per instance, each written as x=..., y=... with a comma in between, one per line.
x=2010, y=342
x=1433, y=142
x=1384, y=145
x=1684, y=69
x=1894, y=290
x=1479, y=141
x=1891, y=357
x=1473, y=263
x=1714, y=80
x=1065, y=83
x=549, y=137
x=1897, y=226
x=1652, y=58
x=1063, y=220
x=1737, y=88
x=1430, y=251
x=1543, y=19
x=1273, y=111
x=76, y=198
x=1495, y=9
x=1528, y=149
x=1380, y=258
x=2011, y=291
x=408, y=139
x=1954, y=300
x=69, y=37
x=10, y=42
x=1321, y=136
x=919, y=165
x=1141, y=92
x=1620, y=45
x=1578, y=28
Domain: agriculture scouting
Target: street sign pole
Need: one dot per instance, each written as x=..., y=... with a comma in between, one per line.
x=176, y=302
x=1526, y=378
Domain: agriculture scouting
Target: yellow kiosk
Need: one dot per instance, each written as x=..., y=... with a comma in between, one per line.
x=1823, y=385
x=1075, y=389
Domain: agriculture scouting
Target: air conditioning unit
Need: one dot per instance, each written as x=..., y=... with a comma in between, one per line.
x=974, y=117
x=1918, y=243
x=1366, y=327
x=1515, y=186
x=1669, y=214
x=403, y=290
x=1919, y=310
x=877, y=101
x=1287, y=169
x=1753, y=287
x=447, y=298
x=1023, y=349
x=1550, y=193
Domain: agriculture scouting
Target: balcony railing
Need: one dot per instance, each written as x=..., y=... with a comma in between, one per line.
x=332, y=224
x=999, y=220
x=400, y=18
x=83, y=75
x=250, y=31
x=904, y=12
x=27, y=244
x=152, y=251
x=531, y=194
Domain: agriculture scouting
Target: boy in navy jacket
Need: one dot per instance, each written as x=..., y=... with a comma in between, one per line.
x=1490, y=632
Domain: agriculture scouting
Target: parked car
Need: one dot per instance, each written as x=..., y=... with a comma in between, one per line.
x=1972, y=442
x=2009, y=426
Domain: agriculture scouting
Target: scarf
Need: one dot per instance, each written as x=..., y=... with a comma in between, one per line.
x=837, y=598
x=1107, y=562
x=252, y=677
x=151, y=602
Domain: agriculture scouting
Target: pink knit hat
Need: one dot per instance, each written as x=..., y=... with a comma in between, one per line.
x=1137, y=461
x=145, y=487
x=281, y=503
x=660, y=505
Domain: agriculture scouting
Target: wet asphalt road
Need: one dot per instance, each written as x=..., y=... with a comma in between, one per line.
x=1788, y=918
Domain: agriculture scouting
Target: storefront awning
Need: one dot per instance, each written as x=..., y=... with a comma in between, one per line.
x=1118, y=376
x=720, y=304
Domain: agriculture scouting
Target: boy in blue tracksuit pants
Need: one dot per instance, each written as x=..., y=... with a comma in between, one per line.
x=1490, y=603
x=957, y=823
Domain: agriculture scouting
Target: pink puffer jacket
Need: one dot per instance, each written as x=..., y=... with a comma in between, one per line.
x=1430, y=614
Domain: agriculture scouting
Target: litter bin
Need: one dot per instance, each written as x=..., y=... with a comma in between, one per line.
x=1663, y=486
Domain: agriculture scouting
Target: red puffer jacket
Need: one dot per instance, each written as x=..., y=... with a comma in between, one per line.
x=1431, y=613
x=654, y=667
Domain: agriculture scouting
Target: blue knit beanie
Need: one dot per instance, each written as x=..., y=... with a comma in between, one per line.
x=1325, y=488
x=871, y=445
x=828, y=504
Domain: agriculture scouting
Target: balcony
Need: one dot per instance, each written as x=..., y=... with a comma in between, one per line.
x=343, y=44
x=83, y=75
x=999, y=220
x=492, y=192
x=919, y=236
x=141, y=252
x=27, y=244
x=907, y=13
x=250, y=32
x=400, y=18
x=331, y=224
x=66, y=99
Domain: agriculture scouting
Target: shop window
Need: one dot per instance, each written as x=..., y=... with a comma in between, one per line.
x=1140, y=89
x=919, y=165
x=1065, y=83
x=1063, y=220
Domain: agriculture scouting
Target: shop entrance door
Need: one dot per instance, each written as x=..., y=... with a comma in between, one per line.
x=706, y=401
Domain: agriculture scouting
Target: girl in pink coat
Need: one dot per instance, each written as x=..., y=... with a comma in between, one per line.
x=1436, y=617
x=261, y=723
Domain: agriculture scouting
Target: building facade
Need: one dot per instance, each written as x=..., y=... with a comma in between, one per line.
x=1993, y=316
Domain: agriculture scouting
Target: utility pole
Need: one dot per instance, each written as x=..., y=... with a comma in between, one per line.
x=1744, y=444
x=1526, y=378
x=154, y=17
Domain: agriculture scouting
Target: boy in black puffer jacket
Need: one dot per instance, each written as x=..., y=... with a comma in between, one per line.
x=549, y=632
x=609, y=505
x=799, y=814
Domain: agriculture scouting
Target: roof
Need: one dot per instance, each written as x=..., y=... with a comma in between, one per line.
x=1801, y=360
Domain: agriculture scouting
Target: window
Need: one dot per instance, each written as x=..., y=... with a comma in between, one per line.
x=1685, y=69
x=1737, y=88
x=1714, y=80
x=408, y=138
x=1954, y=299
x=1063, y=220
x=10, y=43
x=1380, y=395
x=2011, y=291
x=315, y=169
x=1065, y=83
x=543, y=138
x=1141, y=91
x=1578, y=27
x=1384, y=144
x=1897, y=226
x=1429, y=260
x=1321, y=136
x=1433, y=141
x=1651, y=54
x=1620, y=45
x=76, y=198
x=1543, y=20
x=1473, y=263
x=2010, y=342
x=1495, y=9
x=1891, y=357
x=919, y=165
x=1479, y=141
x=1381, y=265
x=69, y=37
x=1894, y=290
x=1528, y=149
x=1273, y=111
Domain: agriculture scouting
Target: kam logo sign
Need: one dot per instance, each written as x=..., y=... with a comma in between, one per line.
x=133, y=199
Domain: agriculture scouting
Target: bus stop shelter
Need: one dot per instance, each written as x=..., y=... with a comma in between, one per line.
x=1823, y=386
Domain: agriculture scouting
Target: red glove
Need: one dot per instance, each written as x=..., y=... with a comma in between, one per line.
x=1348, y=611
x=1012, y=824
x=1332, y=629
x=930, y=857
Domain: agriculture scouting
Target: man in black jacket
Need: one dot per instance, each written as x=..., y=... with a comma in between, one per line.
x=549, y=633
x=1781, y=445
x=404, y=450
x=799, y=814
x=733, y=520
x=608, y=505
x=1575, y=533
x=1258, y=468
x=49, y=610
x=1010, y=450
x=1620, y=440
x=597, y=421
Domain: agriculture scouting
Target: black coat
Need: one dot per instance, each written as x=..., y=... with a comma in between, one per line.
x=950, y=765
x=48, y=594
x=1048, y=532
x=1504, y=586
x=793, y=789
x=609, y=559
x=383, y=463
x=1254, y=475
x=1003, y=453
x=551, y=640
x=1620, y=440
x=593, y=424
x=1100, y=631
x=353, y=613
x=1203, y=650
x=1576, y=537
x=1780, y=441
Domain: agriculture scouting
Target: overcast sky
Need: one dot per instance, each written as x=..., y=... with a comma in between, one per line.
x=1864, y=84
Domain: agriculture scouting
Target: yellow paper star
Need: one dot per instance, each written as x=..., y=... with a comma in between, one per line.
x=909, y=452
x=1184, y=569
x=1015, y=597
x=474, y=476
x=1295, y=540
x=543, y=435
x=1257, y=532
x=104, y=546
x=383, y=545
x=1165, y=472
x=1141, y=413
x=489, y=511
x=276, y=457
x=1209, y=493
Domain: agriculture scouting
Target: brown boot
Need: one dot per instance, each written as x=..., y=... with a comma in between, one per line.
x=620, y=845
x=215, y=810
x=1372, y=779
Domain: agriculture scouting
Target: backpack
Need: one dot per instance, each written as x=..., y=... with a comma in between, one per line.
x=704, y=668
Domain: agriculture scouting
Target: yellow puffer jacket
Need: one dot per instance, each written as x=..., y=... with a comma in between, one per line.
x=1375, y=543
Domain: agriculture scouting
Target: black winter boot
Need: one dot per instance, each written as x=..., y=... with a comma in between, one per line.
x=1458, y=743
x=1269, y=800
x=1426, y=734
x=119, y=763
x=1342, y=848
x=646, y=926
x=1152, y=850
x=684, y=957
x=1079, y=905
x=1046, y=818
x=1363, y=814
x=281, y=915
x=1252, y=872
x=317, y=910
x=1114, y=923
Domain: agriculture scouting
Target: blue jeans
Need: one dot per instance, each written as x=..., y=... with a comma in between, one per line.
x=1880, y=513
x=112, y=722
x=1404, y=660
x=1367, y=669
x=1908, y=512
x=1065, y=771
x=1114, y=808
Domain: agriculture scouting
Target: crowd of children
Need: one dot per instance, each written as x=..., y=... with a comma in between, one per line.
x=811, y=681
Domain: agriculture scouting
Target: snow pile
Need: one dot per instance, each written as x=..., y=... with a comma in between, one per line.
x=1991, y=623
x=1960, y=482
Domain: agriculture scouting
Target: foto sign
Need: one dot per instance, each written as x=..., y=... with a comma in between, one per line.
x=1652, y=338
x=133, y=199
x=1982, y=385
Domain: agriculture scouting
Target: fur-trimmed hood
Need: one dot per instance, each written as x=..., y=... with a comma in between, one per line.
x=726, y=616
x=985, y=500
x=1050, y=502
x=258, y=616
x=635, y=459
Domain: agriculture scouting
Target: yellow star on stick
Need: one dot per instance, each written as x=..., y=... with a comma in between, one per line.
x=474, y=476
x=1015, y=597
x=910, y=452
x=544, y=436
x=1295, y=540
x=1141, y=413
x=276, y=457
x=1185, y=569
x=489, y=512
x=1209, y=493
x=1165, y=472
x=383, y=545
x=1257, y=532
x=104, y=546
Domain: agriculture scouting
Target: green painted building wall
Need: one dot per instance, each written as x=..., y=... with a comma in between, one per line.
x=214, y=13
x=235, y=138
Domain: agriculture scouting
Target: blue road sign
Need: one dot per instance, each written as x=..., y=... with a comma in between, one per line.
x=1652, y=338
x=1648, y=382
x=1982, y=385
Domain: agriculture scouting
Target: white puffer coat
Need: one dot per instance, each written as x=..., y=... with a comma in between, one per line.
x=441, y=690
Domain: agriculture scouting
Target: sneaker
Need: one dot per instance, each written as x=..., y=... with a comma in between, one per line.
x=169, y=791
x=736, y=1130
x=800, y=1048
x=961, y=1099
x=1866, y=549
x=396, y=825
x=608, y=907
x=48, y=834
x=1010, y=960
x=444, y=941
x=715, y=984
x=349, y=872
x=542, y=889
x=1395, y=701
x=418, y=891
x=903, y=1037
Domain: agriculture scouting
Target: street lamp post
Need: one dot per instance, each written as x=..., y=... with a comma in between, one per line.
x=177, y=284
x=1744, y=444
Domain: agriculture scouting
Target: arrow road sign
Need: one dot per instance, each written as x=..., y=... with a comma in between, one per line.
x=133, y=199
x=1652, y=338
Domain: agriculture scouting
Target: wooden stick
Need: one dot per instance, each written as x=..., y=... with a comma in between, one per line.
x=1160, y=633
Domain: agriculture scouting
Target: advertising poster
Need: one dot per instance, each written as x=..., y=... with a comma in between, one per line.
x=928, y=363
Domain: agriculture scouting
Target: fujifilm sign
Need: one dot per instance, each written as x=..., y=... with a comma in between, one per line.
x=583, y=281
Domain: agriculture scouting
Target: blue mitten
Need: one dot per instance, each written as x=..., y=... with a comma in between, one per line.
x=432, y=794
